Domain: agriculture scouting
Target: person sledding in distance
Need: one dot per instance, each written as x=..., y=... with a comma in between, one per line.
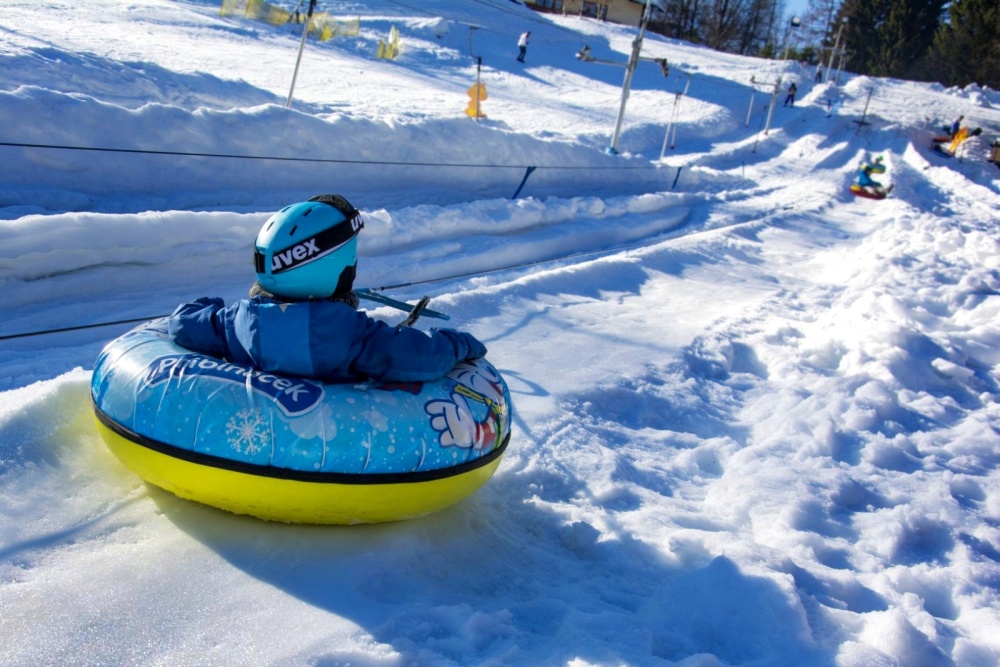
x=955, y=127
x=302, y=319
x=868, y=186
x=956, y=133
x=949, y=132
x=960, y=137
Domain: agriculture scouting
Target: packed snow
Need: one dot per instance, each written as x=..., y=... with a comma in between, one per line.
x=755, y=418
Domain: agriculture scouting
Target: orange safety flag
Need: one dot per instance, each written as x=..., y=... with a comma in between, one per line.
x=960, y=136
x=478, y=93
x=478, y=90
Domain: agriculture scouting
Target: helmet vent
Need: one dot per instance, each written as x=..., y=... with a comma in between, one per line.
x=291, y=232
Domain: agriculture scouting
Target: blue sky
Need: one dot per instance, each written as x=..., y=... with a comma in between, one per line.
x=796, y=7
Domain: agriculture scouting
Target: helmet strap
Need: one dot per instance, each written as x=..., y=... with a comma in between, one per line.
x=345, y=282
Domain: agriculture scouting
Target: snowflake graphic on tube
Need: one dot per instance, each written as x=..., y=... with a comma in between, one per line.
x=248, y=431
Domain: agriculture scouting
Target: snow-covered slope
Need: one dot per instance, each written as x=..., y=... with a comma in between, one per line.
x=755, y=418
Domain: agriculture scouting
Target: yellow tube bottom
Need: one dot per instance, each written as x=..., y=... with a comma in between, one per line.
x=293, y=501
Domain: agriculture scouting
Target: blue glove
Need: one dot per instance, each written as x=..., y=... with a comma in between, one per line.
x=476, y=348
x=467, y=346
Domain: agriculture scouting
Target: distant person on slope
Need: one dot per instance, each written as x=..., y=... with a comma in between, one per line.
x=833, y=105
x=301, y=318
x=522, y=45
x=790, y=100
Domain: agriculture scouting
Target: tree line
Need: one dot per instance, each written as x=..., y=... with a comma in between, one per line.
x=953, y=42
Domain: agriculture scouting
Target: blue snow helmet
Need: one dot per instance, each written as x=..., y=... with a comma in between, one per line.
x=309, y=250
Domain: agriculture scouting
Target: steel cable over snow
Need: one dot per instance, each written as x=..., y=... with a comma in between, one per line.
x=234, y=156
x=426, y=281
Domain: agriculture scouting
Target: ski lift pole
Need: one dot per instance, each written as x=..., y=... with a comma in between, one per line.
x=753, y=94
x=677, y=104
x=774, y=100
x=627, y=84
x=673, y=118
x=770, y=112
x=302, y=44
x=666, y=135
x=479, y=69
x=833, y=53
x=759, y=127
x=840, y=64
x=864, y=114
x=795, y=23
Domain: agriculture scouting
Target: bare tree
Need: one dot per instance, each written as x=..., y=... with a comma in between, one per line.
x=758, y=25
x=680, y=20
x=723, y=23
x=817, y=24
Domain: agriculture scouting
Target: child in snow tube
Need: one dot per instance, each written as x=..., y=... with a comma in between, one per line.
x=301, y=318
x=865, y=180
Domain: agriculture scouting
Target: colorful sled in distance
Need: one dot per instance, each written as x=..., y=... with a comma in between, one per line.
x=859, y=191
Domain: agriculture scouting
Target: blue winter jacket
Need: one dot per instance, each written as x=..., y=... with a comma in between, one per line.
x=865, y=180
x=318, y=339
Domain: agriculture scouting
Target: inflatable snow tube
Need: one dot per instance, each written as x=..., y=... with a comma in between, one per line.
x=859, y=191
x=292, y=449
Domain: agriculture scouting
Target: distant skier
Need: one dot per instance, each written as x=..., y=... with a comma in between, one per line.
x=790, y=100
x=819, y=73
x=522, y=45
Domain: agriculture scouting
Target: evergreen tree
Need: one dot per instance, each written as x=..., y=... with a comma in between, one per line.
x=906, y=35
x=860, y=23
x=806, y=54
x=966, y=47
x=889, y=37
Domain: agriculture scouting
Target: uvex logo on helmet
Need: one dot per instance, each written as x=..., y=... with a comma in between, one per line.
x=310, y=249
x=296, y=255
